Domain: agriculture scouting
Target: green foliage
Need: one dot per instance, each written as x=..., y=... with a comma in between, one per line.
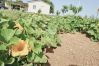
x=40, y=31
x=57, y=12
x=51, y=7
x=37, y=30
x=39, y=11
x=75, y=9
x=6, y=34
x=1, y=63
x=64, y=9
x=72, y=8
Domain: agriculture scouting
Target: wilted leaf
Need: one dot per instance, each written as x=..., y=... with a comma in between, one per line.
x=17, y=25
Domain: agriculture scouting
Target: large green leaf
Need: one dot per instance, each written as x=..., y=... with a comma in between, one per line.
x=14, y=40
x=2, y=63
x=31, y=57
x=3, y=47
x=91, y=32
x=29, y=30
x=3, y=20
x=37, y=48
x=6, y=34
x=40, y=58
x=10, y=61
x=18, y=32
x=31, y=42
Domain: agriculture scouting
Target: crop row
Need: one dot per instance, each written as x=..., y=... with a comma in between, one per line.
x=25, y=36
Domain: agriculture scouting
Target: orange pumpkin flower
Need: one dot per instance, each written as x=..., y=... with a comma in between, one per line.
x=20, y=49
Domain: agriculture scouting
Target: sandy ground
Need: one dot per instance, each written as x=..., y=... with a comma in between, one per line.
x=75, y=50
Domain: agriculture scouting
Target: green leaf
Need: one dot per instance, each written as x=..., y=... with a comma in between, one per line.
x=29, y=30
x=18, y=32
x=91, y=32
x=5, y=26
x=43, y=59
x=40, y=58
x=37, y=48
x=28, y=64
x=31, y=42
x=10, y=61
x=6, y=34
x=31, y=56
x=3, y=20
x=2, y=63
x=52, y=31
x=14, y=40
x=3, y=47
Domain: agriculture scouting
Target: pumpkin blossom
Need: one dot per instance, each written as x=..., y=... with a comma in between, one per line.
x=20, y=49
x=17, y=25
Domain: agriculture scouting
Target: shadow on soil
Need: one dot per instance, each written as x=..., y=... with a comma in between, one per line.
x=73, y=65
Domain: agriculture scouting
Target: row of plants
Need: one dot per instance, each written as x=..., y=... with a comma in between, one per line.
x=88, y=26
x=25, y=37
x=23, y=40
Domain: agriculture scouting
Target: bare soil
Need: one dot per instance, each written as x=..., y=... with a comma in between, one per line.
x=75, y=50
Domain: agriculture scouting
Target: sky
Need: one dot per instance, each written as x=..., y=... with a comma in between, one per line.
x=89, y=6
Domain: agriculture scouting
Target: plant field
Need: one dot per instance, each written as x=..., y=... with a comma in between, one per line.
x=25, y=36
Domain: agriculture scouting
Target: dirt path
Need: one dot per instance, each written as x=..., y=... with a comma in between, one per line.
x=76, y=50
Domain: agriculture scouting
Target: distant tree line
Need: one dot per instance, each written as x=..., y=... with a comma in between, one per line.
x=64, y=8
x=72, y=8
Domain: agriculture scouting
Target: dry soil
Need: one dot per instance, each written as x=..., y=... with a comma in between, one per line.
x=75, y=50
